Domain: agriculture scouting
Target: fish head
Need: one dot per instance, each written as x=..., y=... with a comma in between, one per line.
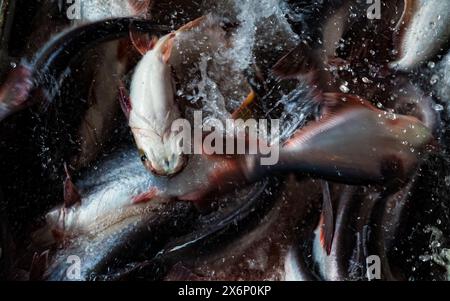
x=411, y=131
x=162, y=155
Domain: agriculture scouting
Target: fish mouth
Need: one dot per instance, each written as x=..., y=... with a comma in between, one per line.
x=169, y=173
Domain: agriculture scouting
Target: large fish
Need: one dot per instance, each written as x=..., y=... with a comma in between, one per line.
x=151, y=107
x=389, y=145
x=353, y=143
x=49, y=66
x=424, y=31
x=110, y=63
x=101, y=218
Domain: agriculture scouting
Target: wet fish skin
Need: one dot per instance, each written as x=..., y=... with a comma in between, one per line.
x=424, y=35
x=14, y=91
x=111, y=63
x=106, y=201
x=152, y=109
x=266, y=251
x=385, y=146
x=48, y=67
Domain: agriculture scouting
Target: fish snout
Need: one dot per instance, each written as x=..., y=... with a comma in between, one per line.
x=169, y=166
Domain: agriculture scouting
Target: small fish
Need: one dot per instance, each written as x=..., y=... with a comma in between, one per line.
x=151, y=107
x=424, y=31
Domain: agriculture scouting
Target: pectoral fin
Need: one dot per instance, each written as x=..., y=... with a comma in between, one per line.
x=124, y=100
x=71, y=194
x=244, y=112
x=146, y=196
x=39, y=265
x=327, y=219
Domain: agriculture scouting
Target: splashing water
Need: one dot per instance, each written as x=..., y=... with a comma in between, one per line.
x=439, y=254
x=443, y=85
x=221, y=84
x=94, y=10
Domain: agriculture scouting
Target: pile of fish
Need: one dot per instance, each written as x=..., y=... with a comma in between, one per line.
x=89, y=193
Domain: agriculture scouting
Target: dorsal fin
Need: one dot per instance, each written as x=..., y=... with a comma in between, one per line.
x=302, y=60
x=142, y=42
x=334, y=102
x=141, y=7
x=192, y=24
x=334, y=107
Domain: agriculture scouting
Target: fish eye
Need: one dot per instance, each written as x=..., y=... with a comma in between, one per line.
x=142, y=156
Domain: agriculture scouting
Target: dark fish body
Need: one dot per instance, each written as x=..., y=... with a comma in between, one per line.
x=266, y=252
x=49, y=66
x=356, y=144
x=110, y=62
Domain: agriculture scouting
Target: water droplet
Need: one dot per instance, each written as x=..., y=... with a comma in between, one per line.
x=434, y=79
x=344, y=88
x=438, y=107
x=366, y=80
x=447, y=180
x=431, y=65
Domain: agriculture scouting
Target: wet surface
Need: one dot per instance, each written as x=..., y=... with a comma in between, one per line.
x=268, y=230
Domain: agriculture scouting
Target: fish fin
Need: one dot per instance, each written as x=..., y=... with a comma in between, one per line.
x=409, y=9
x=224, y=177
x=335, y=102
x=71, y=194
x=167, y=48
x=146, y=196
x=39, y=265
x=192, y=24
x=337, y=62
x=142, y=42
x=141, y=7
x=124, y=100
x=179, y=272
x=327, y=219
x=243, y=112
x=332, y=105
x=302, y=60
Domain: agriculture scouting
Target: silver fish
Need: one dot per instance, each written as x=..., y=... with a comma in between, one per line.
x=386, y=145
x=424, y=32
